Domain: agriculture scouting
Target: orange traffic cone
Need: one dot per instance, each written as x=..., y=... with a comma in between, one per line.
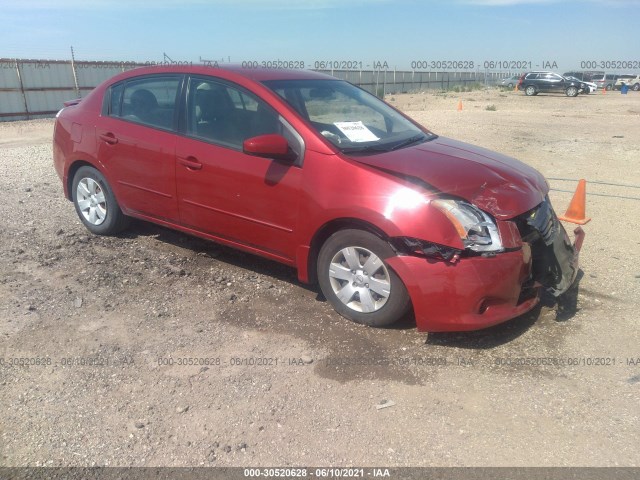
x=459, y=105
x=604, y=90
x=576, y=211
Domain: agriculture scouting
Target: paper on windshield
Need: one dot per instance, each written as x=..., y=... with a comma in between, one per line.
x=356, y=131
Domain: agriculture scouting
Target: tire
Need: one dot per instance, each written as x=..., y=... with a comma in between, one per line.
x=530, y=91
x=95, y=203
x=608, y=87
x=510, y=86
x=636, y=87
x=572, y=91
x=348, y=286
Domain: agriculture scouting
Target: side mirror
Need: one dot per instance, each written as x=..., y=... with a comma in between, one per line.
x=268, y=146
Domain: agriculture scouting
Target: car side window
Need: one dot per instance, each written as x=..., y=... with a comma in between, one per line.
x=149, y=101
x=113, y=100
x=226, y=115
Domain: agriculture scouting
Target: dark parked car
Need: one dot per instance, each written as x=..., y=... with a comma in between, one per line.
x=318, y=174
x=533, y=83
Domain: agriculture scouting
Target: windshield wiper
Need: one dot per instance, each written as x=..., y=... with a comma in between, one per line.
x=408, y=141
x=386, y=148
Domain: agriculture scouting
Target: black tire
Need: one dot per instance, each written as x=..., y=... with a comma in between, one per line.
x=97, y=208
x=636, y=87
x=572, y=91
x=608, y=87
x=510, y=85
x=387, y=310
x=530, y=91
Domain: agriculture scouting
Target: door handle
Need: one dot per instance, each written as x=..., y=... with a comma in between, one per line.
x=191, y=163
x=109, y=138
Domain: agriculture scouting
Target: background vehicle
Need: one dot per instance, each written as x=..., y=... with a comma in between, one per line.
x=605, y=80
x=509, y=82
x=592, y=87
x=584, y=75
x=532, y=83
x=632, y=81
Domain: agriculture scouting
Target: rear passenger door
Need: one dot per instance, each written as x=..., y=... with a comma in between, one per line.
x=244, y=199
x=136, y=136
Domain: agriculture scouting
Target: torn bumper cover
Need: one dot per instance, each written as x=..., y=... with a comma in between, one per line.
x=555, y=260
x=478, y=291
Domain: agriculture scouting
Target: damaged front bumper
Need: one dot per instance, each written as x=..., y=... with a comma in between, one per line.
x=555, y=259
x=477, y=292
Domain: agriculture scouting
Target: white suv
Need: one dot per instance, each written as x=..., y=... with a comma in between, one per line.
x=632, y=81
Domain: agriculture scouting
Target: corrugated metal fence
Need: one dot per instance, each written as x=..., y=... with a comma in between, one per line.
x=38, y=88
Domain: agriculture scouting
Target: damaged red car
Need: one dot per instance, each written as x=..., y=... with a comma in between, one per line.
x=318, y=174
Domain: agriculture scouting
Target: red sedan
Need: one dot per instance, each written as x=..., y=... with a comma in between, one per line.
x=318, y=174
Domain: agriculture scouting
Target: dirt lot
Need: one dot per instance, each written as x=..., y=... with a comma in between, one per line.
x=99, y=313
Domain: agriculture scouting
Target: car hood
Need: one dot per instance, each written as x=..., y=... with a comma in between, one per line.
x=495, y=183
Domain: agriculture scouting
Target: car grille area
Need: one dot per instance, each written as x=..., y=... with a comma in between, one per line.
x=551, y=250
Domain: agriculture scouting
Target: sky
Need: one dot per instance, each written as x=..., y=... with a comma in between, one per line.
x=557, y=35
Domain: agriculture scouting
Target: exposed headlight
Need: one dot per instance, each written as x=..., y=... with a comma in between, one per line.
x=477, y=230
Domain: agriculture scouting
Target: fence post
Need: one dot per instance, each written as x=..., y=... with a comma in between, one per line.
x=75, y=76
x=24, y=95
x=384, y=84
x=394, y=78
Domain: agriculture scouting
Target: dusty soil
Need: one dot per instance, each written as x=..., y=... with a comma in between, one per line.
x=98, y=314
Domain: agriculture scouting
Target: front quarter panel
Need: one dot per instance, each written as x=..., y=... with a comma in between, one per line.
x=338, y=188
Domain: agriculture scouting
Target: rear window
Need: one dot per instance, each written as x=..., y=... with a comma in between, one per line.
x=148, y=101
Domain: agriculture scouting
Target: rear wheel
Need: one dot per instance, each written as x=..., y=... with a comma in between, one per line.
x=636, y=87
x=572, y=91
x=356, y=280
x=530, y=90
x=95, y=203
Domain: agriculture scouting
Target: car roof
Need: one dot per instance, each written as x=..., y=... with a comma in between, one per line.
x=229, y=71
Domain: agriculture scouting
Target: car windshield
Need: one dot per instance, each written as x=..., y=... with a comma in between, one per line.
x=350, y=118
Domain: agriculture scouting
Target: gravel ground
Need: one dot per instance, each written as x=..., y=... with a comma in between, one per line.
x=99, y=313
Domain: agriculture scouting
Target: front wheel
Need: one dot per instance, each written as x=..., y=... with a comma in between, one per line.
x=95, y=203
x=572, y=92
x=530, y=91
x=636, y=87
x=356, y=280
